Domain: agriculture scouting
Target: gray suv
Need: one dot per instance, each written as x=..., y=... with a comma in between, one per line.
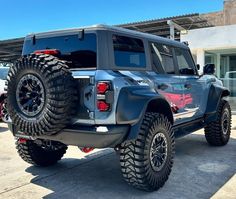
x=103, y=86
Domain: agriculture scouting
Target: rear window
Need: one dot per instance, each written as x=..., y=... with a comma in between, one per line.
x=128, y=52
x=80, y=53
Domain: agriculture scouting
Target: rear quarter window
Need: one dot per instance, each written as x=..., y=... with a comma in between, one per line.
x=128, y=52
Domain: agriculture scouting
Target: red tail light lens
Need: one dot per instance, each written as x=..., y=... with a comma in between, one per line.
x=47, y=51
x=102, y=105
x=104, y=96
x=102, y=87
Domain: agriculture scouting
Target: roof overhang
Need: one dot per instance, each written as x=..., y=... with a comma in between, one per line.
x=10, y=49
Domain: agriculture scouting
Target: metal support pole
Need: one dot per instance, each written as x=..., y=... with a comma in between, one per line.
x=172, y=32
x=174, y=26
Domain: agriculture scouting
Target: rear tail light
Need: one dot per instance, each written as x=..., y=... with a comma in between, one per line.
x=102, y=87
x=102, y=105
x=48, y=52
x=104, y=96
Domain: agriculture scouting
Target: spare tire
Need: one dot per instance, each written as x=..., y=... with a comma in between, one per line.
x=41, y=94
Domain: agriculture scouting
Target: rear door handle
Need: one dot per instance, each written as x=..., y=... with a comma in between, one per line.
x=162, y=86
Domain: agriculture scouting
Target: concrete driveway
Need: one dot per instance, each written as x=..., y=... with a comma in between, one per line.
x=200, y=171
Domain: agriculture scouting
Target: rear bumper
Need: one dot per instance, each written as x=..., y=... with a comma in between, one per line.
x=86, y=136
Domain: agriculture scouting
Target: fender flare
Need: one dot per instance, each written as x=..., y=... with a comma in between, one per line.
x=133, y=102
x=216, y=93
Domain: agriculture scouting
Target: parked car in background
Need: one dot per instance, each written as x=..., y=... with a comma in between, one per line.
x=3, y=94
x=229, y=81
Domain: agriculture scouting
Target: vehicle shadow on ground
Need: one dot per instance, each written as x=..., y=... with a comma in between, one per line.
x=199, y=171
x=3, y=128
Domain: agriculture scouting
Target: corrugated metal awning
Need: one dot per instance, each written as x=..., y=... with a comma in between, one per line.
x=161, y=28
x=10, y=49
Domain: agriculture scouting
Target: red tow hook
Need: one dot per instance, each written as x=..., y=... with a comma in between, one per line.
x=22, y=140
x=87, y=149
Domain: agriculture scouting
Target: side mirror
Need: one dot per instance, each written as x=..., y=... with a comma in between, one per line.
x=198, y=66
x=209, y=69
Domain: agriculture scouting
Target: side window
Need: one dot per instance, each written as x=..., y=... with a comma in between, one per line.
x=128, y=52
x=162, y=58
x=185, y=62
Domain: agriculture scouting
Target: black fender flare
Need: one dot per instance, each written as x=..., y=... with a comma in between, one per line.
x=133, y=102
x=216, y=93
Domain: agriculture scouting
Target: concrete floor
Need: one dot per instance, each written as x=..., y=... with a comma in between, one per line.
x=200, y=171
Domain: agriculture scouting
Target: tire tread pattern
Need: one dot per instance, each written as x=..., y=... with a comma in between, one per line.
x=213, y=131
x=134, y=155
x=33, y=154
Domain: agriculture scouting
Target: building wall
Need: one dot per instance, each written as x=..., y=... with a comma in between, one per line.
x=208, y=39
x=225, y=17
x=215, y=18
x=211, y=38
x=229, y=12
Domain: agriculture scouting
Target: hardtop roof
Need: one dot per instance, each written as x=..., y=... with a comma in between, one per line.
x=112, y=29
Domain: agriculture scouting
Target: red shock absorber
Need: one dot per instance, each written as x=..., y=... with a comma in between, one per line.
x=22, y=140
x=87, y=149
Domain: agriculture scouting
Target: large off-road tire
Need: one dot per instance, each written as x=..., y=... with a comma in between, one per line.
x=147, y=161
x=218, y=132
x=41, y=94
x=40, y=152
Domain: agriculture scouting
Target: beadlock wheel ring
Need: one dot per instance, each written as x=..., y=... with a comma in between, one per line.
x=158, y=151
x=225, y=121
x=30, y=95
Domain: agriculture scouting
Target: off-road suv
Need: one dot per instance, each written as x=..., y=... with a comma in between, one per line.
x=103, y=86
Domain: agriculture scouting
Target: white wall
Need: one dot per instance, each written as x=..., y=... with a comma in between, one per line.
x=219, y=37
x=213, y=38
